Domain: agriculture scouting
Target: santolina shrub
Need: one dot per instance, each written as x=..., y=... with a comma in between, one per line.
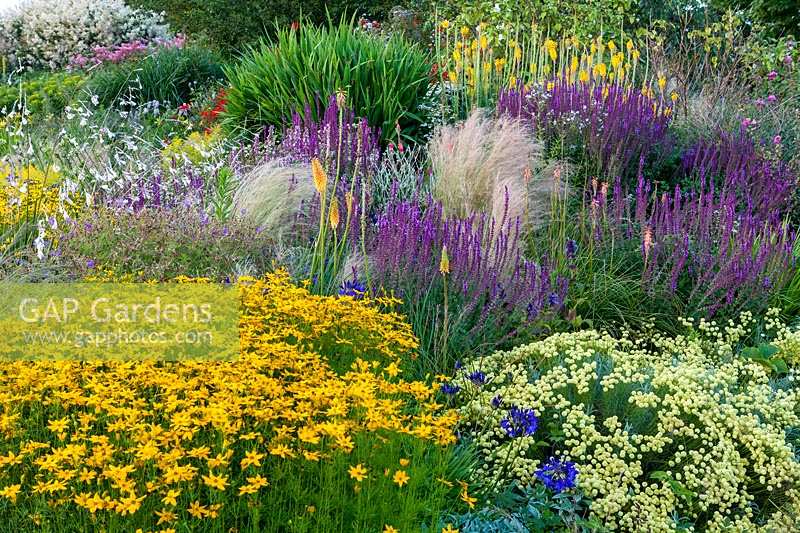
x=665, y=433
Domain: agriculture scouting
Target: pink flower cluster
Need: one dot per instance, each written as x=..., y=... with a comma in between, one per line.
x=121, y=52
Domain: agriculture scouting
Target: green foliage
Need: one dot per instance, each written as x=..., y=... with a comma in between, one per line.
x=582, y=19
x=168, y=75
x=782, y=17
x=162, y=244
x=231, y=26
x=47, y=93
x=385, y=79
x=530, y=508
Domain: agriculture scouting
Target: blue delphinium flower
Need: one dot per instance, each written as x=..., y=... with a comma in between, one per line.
x=558, y=475
x=477, y=377
x=554, y=300
x=497, y=401
x=459, y=365
x=519, y=422
x=449, y=388
x=353, y=288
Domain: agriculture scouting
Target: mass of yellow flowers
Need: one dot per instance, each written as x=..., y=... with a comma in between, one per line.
x=179, y=440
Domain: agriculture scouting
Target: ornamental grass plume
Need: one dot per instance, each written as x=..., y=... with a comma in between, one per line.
x=272, y=195
x=476, y=162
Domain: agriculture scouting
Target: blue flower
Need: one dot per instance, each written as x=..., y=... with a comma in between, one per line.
x=459, y=365
x=554, y=300
x=558, y=475
x=449, y=388
x=477, y=377
x=520, y=422
x=90, y=263
x=497, y=401
x=571, y=248
x=353, y=288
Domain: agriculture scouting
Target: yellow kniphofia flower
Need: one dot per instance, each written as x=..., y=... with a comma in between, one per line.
x=319, y=176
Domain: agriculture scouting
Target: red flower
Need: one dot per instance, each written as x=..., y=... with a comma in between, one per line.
x=295, y=25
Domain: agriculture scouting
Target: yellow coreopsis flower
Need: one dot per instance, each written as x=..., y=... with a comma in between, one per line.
x=449, y=529
x=517, y=53
x=171, y=498
x=445, y=24
x=11, y=492
x=466, y=498
x=358, y=472
x=635, y=54
x=319, y=176
x=452, y=76
x=390, y=529
x=583, y=76
x=484, y=42
x=400, y=477
x=629, y=45
x=573, y=64
x=251, y=458
x=197, y=510
x=465, y=32
x=674, y=96
x=215, y=482
x=662, y=82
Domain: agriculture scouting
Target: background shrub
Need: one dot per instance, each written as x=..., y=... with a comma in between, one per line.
x=48, y=93
x=230, y=26
x=583, y=18
x=384, y=79
x=168, y=75
x=48, y=33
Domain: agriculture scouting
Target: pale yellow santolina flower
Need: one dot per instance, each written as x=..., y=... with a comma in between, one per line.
x=319, y=176
x=682, y=426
